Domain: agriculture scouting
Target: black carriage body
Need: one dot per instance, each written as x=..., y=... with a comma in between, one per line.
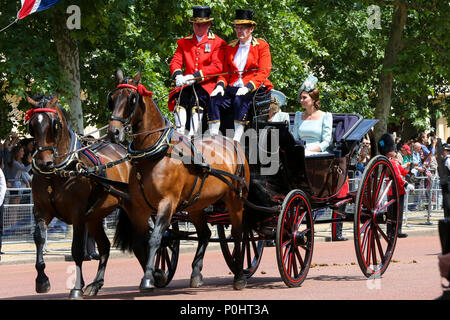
x=321, y=176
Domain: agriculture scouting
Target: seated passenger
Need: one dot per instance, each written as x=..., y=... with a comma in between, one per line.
x=275, y=113
x=313, y=126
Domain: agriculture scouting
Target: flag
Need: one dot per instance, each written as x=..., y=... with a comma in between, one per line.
x=32, y=6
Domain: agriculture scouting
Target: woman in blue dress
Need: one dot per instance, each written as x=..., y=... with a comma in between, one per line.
x=313, y=126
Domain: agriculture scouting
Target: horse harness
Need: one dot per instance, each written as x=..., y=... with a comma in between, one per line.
x=72, y=165
x=201, y=168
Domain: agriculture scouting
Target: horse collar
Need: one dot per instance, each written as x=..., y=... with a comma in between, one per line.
x=157, y=150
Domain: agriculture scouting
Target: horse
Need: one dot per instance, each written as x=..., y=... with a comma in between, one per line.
x=77, y=199
x=161, y=183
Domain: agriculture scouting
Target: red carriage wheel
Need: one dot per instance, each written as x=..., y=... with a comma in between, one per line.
x=295, y=238
x=376, y=218
x=166, y=257
x=251, y=249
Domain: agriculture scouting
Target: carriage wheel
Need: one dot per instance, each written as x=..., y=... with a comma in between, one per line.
x=376, y=218
x=251, y=250
x=295, y=238
x=166, y=258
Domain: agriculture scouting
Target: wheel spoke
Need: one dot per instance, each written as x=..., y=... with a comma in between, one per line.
x=294, y=263
x=374, y=253
x=380, y=248
x=299, y=257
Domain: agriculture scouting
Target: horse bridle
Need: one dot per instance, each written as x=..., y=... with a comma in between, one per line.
x=134, y=104
x=55, y=125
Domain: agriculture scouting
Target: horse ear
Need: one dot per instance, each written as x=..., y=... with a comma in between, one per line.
x=119, y=75
x=137, y=78
x=54, y=100
x=32, y=102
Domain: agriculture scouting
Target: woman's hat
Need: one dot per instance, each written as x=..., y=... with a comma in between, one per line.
x=201, y=14
x=244, y=16
x=309, y=84
x=386, y=144
x=407, y=148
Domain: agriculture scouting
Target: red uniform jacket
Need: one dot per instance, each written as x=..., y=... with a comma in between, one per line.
x=258, y=58
x=199, y=58
x=400, y=172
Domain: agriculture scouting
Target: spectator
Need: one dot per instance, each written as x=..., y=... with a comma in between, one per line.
x=406, y=153
x=18, y=172
x=416, y=161
x=2, y=198
x=275, y=113
x=364, y=157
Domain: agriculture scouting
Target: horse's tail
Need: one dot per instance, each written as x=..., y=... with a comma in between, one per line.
x=123, y=238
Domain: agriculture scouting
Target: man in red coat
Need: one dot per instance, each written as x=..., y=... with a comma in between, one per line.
x=247, y=66
x=200, y=55
x=387, y=147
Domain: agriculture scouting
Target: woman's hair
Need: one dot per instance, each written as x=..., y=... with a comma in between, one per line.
x=274, y=105
x=314, y=94
x=15, y=151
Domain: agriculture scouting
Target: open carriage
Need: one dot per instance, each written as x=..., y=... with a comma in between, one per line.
x=282, y=207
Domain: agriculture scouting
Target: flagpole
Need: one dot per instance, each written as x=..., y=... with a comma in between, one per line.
x=15, y=21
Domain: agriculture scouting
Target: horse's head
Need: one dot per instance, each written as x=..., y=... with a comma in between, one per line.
x=44, y=125
x=123, y=102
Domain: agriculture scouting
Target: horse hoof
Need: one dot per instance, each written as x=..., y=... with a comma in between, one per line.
x=239, y=284
x=92, y=289
x=196, y=281
x=76, y=294
x=146, y=285
x=160, y=279
x=43, y=287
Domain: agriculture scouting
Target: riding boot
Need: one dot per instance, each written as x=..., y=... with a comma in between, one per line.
x=214, y=128
x=196, y=121
x=180, y=119
x=238, y=131
x=400, y=234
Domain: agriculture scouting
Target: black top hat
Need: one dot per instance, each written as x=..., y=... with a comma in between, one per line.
x=244, y=16
x=386, y=144
x=201, y=14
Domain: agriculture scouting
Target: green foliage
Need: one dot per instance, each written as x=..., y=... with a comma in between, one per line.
x=328, y=38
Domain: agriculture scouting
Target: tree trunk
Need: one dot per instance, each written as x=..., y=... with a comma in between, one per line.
x=383, y=106
x=68, y=57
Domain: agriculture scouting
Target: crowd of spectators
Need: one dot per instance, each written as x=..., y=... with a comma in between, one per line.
x=418, y=156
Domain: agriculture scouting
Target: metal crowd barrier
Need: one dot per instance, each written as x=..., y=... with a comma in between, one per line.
x=18, y=219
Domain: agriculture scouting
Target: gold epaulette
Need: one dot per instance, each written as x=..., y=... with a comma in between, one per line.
x=189, y=37
x=211, y=35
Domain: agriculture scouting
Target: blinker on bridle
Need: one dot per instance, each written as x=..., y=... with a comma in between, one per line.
x=141, y=91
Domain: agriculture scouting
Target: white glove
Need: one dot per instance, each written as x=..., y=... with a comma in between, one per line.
x=242, y=91
x=188, y=80
x=179, y=80
x=218, y=90
x=410, y=187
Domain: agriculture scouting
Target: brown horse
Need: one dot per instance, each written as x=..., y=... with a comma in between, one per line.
x=77, y=200
x=161, y=183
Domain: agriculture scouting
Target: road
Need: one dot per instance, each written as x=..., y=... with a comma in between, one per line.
x=335, y=275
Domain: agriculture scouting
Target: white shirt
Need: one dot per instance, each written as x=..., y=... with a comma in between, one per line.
x=240, y=60
x=199, y=38
x=2, y=187
x=280, y=116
